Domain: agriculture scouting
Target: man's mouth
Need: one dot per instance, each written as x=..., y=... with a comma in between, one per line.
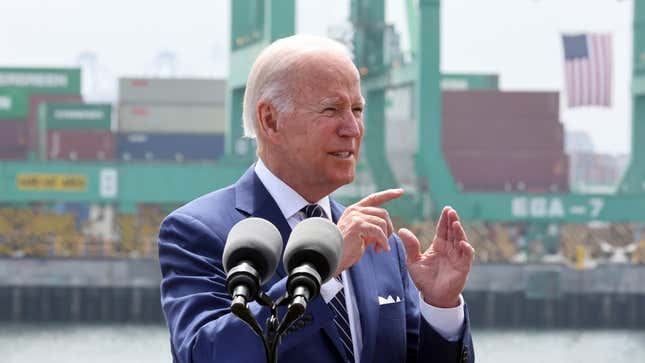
x=342, y=154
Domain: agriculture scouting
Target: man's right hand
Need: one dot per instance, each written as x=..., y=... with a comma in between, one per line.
x=363, y=224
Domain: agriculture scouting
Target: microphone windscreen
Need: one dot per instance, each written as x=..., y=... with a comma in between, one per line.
x=257, y=241
x=316, y=241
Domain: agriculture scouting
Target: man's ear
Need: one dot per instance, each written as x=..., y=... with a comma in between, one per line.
x=267, y=119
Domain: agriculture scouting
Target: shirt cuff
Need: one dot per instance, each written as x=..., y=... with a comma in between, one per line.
x=448, y=322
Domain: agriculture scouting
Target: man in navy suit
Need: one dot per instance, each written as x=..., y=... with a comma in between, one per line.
x=390, y=302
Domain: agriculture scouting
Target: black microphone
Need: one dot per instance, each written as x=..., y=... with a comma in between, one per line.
x=311, y=258
x=251, y=255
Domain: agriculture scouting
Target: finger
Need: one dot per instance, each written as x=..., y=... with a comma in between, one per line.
x=460, y=234
x=383, y=214
x=372, y=234
x=377, y=221
x=452, y=217
x=442, y=224
x=378, y=198
x=467, y=250
x=411, y=245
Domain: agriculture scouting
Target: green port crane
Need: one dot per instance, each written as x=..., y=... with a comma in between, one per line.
x=256, y=23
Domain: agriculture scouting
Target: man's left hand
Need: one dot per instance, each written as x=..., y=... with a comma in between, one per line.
x=440, y=272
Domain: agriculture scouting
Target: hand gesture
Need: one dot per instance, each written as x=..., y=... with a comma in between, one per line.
x=440, y=272
x=366, y=223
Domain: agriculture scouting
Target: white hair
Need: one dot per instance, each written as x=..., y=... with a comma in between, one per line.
x=269, y=76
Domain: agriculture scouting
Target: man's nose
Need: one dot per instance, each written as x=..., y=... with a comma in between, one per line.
x=351, y=125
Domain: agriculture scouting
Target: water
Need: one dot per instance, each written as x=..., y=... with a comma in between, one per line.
x=71, y=343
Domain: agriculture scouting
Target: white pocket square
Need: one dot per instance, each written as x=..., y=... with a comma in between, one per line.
x=388, y=300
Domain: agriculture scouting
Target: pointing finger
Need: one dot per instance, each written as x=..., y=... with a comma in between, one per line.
x=378, y=198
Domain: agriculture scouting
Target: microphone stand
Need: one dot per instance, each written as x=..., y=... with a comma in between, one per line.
x=272, y=335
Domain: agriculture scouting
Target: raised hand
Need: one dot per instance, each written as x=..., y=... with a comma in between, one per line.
x=441, y=271
x=366, y=223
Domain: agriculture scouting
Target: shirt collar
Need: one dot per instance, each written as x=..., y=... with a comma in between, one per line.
x=287, y=199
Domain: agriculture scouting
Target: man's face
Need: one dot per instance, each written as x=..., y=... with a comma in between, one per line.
x=319, y=140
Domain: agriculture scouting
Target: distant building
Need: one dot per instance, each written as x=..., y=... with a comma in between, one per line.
x=576, y=141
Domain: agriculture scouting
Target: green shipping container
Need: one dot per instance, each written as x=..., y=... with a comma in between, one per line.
x=466, y=81
x=14, y=104
x=42, y=80
x=61, y=116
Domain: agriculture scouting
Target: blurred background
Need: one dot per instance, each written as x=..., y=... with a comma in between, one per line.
x=527, y=116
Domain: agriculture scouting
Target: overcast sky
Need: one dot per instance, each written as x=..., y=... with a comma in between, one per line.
x=518, y=39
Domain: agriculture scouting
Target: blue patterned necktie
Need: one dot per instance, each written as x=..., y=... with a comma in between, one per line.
x=337, y=303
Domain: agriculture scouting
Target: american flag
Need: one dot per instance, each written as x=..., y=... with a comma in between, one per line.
x=588, y=69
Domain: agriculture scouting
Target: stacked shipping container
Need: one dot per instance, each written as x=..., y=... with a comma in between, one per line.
x=35, y=101
x=171, y=119
x=76, y=131
x=22, y=90
x=505, y=141
x=13, y=140
x=13, y=128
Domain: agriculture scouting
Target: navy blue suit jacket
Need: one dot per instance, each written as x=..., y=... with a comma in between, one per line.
x=197, y=306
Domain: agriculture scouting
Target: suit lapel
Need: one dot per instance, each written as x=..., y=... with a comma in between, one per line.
x=252, y=198
x=362, y=275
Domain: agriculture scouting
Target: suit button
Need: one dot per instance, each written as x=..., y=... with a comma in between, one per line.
x=307, y=318
x=464, y=355
x=300, y=324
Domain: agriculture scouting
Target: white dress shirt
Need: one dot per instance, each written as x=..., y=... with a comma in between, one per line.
x=446, y=321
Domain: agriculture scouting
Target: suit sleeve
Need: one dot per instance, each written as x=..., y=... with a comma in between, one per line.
x=424, y=344
x=194, y=299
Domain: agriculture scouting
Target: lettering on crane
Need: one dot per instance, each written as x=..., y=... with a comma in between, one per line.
x=538, y=207
x=545, y=207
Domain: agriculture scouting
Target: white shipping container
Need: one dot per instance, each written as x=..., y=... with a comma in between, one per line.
x=172, y=119
x=175, y=91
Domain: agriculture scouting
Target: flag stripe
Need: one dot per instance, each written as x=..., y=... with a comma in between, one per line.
x=598, y=53
x=609, y=68
x=593, y=76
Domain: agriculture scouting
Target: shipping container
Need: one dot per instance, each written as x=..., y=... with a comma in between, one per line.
x=501, y=135
x=178, y=147
x=501, y=121
x=17, y=154
x=42, y=80
x=482, y=105
x=80, y=145
x=172, y=91
x=172, y=119
x=510, y=172
x=35, y=100
x=13, y=135
x=62, y=116
x=14, y=104
x=465, y=81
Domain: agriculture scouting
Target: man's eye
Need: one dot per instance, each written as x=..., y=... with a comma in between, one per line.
x=358, y=110
x=329, y=111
